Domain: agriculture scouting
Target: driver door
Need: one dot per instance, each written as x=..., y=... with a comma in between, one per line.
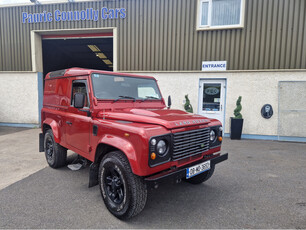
x=78, y=123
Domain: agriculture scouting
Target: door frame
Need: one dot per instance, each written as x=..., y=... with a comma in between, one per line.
x=225, y=93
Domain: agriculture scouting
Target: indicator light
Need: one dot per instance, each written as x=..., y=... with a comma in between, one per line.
x=126, y=135
x=220, y=139
x=153, y=156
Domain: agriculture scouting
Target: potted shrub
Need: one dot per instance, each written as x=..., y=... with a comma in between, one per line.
x=236, y=122
x=188, y=107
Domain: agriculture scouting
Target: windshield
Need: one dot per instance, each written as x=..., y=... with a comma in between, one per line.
x=116, y=87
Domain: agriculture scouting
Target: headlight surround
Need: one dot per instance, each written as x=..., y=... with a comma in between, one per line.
x=161, y=147
x=212, y=135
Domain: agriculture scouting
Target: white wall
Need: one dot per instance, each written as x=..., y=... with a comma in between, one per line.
x=18, y=97
x=256, y=89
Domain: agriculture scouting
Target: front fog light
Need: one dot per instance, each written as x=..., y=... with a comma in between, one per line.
x=212, y=135
x=161, y=147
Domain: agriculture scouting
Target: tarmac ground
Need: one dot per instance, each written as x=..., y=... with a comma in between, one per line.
x=261, y=185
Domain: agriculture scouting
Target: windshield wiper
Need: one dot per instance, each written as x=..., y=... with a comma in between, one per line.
x=150, y=97
x=125, y=97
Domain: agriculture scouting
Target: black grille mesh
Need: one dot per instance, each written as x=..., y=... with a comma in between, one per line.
x=190, y=143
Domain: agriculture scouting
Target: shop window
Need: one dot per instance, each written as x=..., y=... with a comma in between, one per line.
x=220, y=14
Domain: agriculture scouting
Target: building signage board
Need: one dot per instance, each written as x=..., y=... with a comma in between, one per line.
x=214, y=66
x=88, y=14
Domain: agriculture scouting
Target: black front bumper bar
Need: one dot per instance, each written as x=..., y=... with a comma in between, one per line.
x=179, y=173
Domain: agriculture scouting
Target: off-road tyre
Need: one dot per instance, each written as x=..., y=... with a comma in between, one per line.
x=56, y=155
x=201, y=177
x=124, y=193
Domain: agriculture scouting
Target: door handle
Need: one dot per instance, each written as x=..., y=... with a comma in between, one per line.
x=69, y=122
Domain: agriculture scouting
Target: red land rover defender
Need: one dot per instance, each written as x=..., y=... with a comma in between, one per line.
x=120, y=123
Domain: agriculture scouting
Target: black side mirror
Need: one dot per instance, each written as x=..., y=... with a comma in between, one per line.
x=169, y=102
x=79, y=100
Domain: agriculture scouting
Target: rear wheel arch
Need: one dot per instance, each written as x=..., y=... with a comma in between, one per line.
x=46, y=127
x=53, y=125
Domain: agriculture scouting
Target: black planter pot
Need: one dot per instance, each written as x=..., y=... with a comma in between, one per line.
x=236, y=128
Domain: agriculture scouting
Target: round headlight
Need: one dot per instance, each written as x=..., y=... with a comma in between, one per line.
x=212, y=135
x=153, y=142
x=161, y=147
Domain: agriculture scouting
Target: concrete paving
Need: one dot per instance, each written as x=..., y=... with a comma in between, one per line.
x=262, y=185
x=19, y=156
x=4, y=130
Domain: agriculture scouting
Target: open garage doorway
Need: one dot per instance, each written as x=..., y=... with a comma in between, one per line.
x=85, y=51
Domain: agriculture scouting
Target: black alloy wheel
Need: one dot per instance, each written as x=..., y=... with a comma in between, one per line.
x=124, y=193
x=113, y=185
x=49, y=150
x=56, y=154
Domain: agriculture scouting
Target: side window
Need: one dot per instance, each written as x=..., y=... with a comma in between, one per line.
x=79, y=87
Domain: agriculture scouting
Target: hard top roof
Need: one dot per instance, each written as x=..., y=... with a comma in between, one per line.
x=71, y=72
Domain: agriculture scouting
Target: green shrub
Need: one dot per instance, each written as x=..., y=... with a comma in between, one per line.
x=188, y=106
x=237, y=113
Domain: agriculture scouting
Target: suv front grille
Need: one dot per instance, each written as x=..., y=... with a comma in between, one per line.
x=190, y=143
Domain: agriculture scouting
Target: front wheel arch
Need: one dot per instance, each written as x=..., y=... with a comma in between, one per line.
x=101, y=150
x=114, y=143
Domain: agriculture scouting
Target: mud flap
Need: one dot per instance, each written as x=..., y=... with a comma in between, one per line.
x=93, y=175
x=41, y=142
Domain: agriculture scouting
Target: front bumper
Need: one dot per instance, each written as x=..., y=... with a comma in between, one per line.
x=179, y=173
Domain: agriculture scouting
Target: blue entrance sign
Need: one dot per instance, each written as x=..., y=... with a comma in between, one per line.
x=89, y=14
